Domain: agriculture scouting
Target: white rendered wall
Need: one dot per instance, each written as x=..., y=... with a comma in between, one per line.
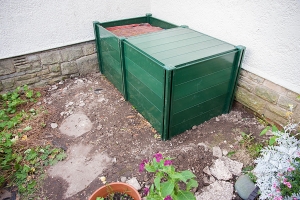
x=28, y=26
x=269, y=29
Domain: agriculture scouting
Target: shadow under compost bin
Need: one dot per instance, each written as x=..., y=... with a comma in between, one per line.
x=175, y=77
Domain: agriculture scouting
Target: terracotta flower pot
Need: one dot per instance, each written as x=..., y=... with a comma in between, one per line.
x=116, y=187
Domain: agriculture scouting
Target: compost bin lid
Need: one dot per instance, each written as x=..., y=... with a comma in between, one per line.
x=179, y=45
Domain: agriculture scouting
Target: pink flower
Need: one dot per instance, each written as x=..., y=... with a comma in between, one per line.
x=288, y=184
x=168, y=198
x=278, y=198
x=142, y=165
x=291, y=169
x=167, y=162
x=146, y=191
x=274, y=185
x=158, y=157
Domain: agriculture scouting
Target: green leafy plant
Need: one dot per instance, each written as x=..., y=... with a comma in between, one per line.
x=20, y=164
x=272, y=139
x=167, y=180
x=248, y=142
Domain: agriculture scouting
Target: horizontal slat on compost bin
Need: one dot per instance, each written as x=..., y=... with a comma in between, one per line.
x=197, y=110
x=199, y=97
x=167, y=45
x=144, y=62
x=179, y=128
x=107, y=49
x=153, y=85
x=201, y=83
x=204, y=68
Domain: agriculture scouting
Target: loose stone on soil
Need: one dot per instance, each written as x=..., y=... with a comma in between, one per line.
x=234, y=167
x=217, y=152
x=218, y=190
x=123, y=179
x=76, y=125
x=225, y=152
x=54, y=125
x=134, y=183
x=207, y=171
x=220, y=170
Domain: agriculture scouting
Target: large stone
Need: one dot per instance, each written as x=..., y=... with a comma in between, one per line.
x=35, y=67
x=267, y=94
x=50, y=57
x=248, y=99
x=81, y=167
x=28, y=81
x=234, y=167
x=54, y=68
x=51, y=75
x=43, y=72
x=245, y=84
x=25, y=77
x=71, y=53
x=220, y=170
x=293, y=95
x=217, y=152
x=275, y=87
x=278, y=111
x=255, y=78
x=286, y=102
x=134, y=183
x=76, y=125
x=8, y=83
x=218, y=190
x=68, y=68
x=87, y=64
x=33, y=58
x=6, y=67
x=89, y=49
x=276, y=118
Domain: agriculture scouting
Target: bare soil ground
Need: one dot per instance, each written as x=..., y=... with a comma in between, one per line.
x=127, y=138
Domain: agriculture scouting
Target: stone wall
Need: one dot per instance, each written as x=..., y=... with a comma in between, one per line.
x=266, y=98
x=48, y=67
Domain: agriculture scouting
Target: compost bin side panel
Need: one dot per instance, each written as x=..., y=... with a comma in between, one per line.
x=122, y=22
x=160, y=23
x=111, y=58
x=144, y=79
x=200, y=92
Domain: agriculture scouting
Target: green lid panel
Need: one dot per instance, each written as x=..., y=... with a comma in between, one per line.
x=178, y=46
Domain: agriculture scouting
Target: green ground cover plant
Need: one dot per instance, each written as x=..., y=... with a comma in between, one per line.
x=22, y=162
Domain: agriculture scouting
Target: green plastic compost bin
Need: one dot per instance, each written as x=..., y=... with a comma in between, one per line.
x=109, y=46
x=176, y=78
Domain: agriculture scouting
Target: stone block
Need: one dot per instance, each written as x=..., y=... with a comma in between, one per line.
x=71, y=53
x=33, y=58
x=6, y=67
x=89, y=49
x=276, y=118
x=25, y=77
x=255, y=78
x=267, y=94
x=243, y=73
x=293, y=95
x=242, y=82
x=69, y=68
x=23, y=68
x=284, y=102
x=43, y=72
x=12, y=75
x=277, y=88
x=54, y=68
x=8, y=83
x=51, y=75
x=51, y=57
x=278, y=111
x=87, y=64
x=41, y=83
x=250, y=100
x=28, y=81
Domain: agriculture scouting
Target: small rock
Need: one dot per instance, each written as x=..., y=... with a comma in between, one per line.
x=114, y=160
x=97, y=91
x=217, y=119
x=99, y=127
x=217, y=152
x=69, y=104
x=133, y=182
x=220, y=170
x=81, y=104
x=61, y=82
x=225, y=152
x=269, y=133
x=212, y=179
x=218, y=190
x=54, y=125
x=38, y=103
x=194, y=127
x=234, y=167
x=235, y=120
x=62, y=113
x=203, y=145
x=49, y=102
x=207, y=171
x=206, y=182
x=123, y=179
